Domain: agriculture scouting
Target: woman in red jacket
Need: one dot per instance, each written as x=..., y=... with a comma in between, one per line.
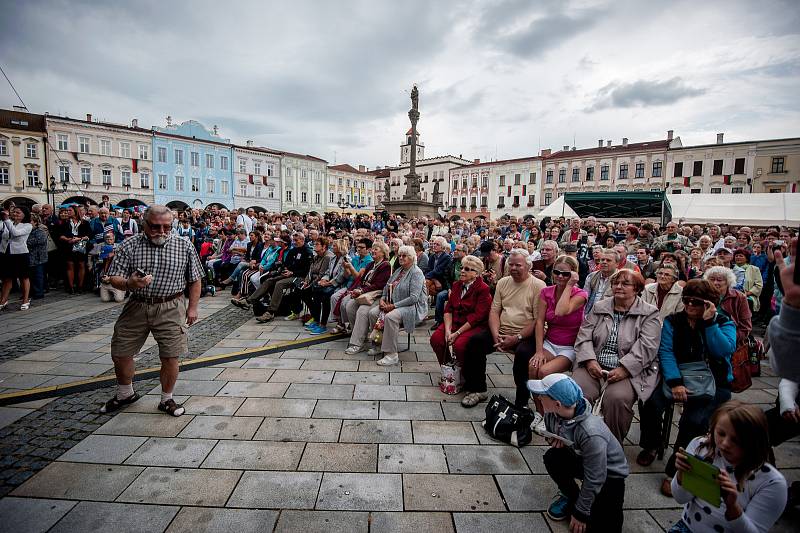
x=466, y=313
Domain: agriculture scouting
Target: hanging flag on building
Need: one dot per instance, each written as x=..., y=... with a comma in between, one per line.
x=135, y=165
x=726, y=179
x=250, y=178
x=687, y=181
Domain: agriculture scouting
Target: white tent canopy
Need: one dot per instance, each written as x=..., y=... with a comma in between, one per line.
x=556, y=209
x=759, y=209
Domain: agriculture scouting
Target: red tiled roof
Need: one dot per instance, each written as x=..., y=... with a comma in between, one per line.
x=609, y=150
x=344, y=167
x=502, y=161
x=109, y=125
x=380, y=172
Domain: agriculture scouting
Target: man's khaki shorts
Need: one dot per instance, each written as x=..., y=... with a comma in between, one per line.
x=166, y=321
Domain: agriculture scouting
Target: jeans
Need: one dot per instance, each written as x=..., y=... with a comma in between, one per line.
x=37, y=281
x=240, y=268
x=441, y=300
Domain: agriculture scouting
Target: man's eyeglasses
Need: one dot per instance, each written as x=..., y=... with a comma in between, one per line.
x=165, y=228
x=562, y=273
x=693, y=302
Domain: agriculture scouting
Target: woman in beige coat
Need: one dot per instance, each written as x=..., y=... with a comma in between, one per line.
x=665, y=293
x=617, y=348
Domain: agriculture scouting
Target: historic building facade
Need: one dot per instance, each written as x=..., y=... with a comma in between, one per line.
x=304, y=179
x=23, y=157
x=711, y=168
x=777, y=166
x=256, y=178
x=94, y=159
x=350, y=188
x=192, y=166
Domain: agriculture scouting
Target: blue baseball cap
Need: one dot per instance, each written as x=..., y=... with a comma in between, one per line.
x=559, y=387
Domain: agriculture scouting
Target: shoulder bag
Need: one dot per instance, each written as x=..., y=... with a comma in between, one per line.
x=368, y=298
x=698, y=380
x=740, y=361
x=508, y=423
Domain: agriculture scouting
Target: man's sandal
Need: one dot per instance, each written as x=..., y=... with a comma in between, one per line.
x=171, y=408
x=114, y=404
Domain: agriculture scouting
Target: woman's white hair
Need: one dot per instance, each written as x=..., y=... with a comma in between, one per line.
x=721, y=272
x=473, y=262
x=523, y=253
x=441, y=240
x=409, y=251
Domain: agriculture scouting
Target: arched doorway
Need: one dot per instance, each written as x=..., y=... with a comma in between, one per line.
x=293, y=213
x=257, y=209
x=131, y=202
x=82, y=200
x=177, y=204
x=455, y=218
x=217, y=205
x=313, y=213
x=19, y=201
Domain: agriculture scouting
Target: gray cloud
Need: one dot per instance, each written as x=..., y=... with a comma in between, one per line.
x=643, y=93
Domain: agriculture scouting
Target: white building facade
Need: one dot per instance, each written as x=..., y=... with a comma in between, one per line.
x=23, y=153
x=304, y=181
x=712, y=168
x=256, y=178
x=431, y=171
x=497, y=188
x=351, y=187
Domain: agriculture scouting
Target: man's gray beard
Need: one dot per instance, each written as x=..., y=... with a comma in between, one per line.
x=159, y=241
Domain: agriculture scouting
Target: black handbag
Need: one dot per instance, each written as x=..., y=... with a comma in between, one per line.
x=507, y=422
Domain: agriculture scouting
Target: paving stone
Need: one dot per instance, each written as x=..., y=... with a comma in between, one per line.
x=385, y=431
x=274, y=407
x=787, y=455
x=527, y=493
x=485, y=460
x=431, y=394
x=329, y=364
x=252, y=455
x=182, y=486
x=27, y=367
x=336, y=457
x=28, y=515
x=117, y=517
x=361, y=378
x=534, y=456
x=636, y=521
x=145, y=425
x=9, y=415
x=246, y=374
x=79, y=481
x=107, y=449
x=300, y=429
x=266, y=362
x=171, y=452
x=410, y=378
x=79, y=369
x=371, y=366
x=512, y=522
x=212, y=405
x=193, y=388
x=665, y=518
x=348, y=409
x=411, y=458
x=412, y=522
x=302, y=376
x=248, y=389
x=426, y=366
x=222, y=427
x=41, y=355
x=304, y=354
x=278, y=490
x=455, y=411
x=322, y=522
x=379, y=392
x=193, y=519
x=411, y=411
x=360, y=492
x=201, y=374
x=642, y=492
x=23, y=381
x=447, y=492
x=426, y=432
x=320, y=392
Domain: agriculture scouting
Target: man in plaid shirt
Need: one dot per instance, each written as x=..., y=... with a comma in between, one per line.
x=156, y=267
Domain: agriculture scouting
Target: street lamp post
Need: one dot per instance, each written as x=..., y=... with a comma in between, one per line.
x=50, y=189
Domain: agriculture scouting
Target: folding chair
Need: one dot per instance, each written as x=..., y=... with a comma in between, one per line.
x=666, y=429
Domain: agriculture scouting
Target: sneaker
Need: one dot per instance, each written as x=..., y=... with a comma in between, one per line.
x=305, y=318
x=25, y=306
x=559, y=509
x=310, y=323
x=317, y=329
x=291, y=316
x=354, y=349
x=266, y=317
x=538, y=424
x=390, y=359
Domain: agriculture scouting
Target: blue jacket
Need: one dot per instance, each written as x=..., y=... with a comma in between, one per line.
x=713, y=340
x=438, y=266
x=761, y=262
x=99, y=229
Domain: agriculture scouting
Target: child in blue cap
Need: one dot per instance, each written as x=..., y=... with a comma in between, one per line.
x=582, y=447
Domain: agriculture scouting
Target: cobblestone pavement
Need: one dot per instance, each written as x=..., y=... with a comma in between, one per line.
x=309, y=439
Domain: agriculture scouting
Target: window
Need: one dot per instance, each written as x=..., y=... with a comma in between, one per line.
x=621, y=189
x=316, y=198
x=604, y=173
x=676, y=191
x=86, y=175
x=737, y=190
x=639, y=170
x=258, y=191
x=484, y=201
x=105, y=146
x=548, y=198
x=242, y=165
x=223, y=162
x=288, y=196
x=209, y=160
x=106, y=176
x=589, y=173
x=179, y=183
x=303, y=197
x=125, y=150
x=697, y=168
x=517, y=178
x=257, y=168
x=464, y=183
x=657, y=167
x=178, y=156
x=484, y=181
x=717, y=170
x=144, y=180
x=161, y=154
x=474, y=181
x=562, y=175
x=242, y=190
x=532, y=178
x=144, y=152
x=83, y=143
x=63, y=173
x=516, y=202
x=223, y=188
x=549, y=177
x=738, y=166
x=697, y=191
x=678, y=171
x=33, y=177
x=126, y=178
x=3, y=175
x=288, y=172
x=531, y=200
x=716, y=190
x=30, y=150
x=195, y=184
x=63, y=142
x=576, y=175
x=502, y=181
x=210, y=186
x=777, y=165
x=162, y=179
x=195, y=159
x=330, y=198
x=270, y=169
x=3, y=147
x=455, y=184
x=304, y=173
x=501, y=202
x=623, y=171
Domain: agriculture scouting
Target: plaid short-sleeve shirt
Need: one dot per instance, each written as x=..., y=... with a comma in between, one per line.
x=172, y=266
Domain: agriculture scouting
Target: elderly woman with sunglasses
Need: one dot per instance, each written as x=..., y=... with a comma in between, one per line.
x=465, y=314
x=732, y=302
x=665, y=293
x=616, y=351
x=697, y=334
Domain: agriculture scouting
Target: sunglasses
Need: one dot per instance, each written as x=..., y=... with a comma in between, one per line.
x=562, y=273
x=165, y=227
x=468, y=269
x=693, y=302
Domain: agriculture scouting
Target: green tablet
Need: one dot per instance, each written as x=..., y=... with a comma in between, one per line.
x=702, y=481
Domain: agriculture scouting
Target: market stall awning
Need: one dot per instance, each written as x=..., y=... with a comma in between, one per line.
x=757, y=209
x=632, y=205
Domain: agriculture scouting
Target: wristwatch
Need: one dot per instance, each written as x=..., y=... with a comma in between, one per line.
x=519, y=337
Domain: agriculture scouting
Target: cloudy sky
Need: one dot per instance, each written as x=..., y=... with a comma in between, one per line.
x=497, y=78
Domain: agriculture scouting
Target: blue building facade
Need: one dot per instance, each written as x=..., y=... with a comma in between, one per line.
x=192, y=166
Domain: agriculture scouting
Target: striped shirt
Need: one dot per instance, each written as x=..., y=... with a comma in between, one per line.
x=172, y=266
x=609, y=354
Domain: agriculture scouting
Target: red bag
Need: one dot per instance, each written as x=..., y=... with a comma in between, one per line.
x=740, y=361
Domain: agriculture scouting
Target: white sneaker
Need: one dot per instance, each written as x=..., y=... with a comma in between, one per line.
x=538, y=425
x=390, y=359
x=374, y=351
x=352, y=350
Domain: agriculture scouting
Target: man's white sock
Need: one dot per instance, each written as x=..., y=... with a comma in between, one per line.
x=166, y=396
x=124, y=391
